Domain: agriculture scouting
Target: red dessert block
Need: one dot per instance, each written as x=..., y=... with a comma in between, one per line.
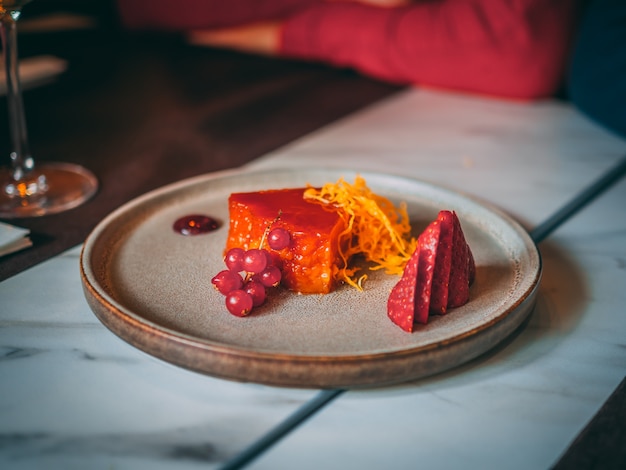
x=311, y=260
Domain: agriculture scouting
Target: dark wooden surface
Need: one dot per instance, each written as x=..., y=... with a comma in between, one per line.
x=602, y=443
x=143, y=110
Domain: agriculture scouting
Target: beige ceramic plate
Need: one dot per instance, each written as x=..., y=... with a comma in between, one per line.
x=151, y=286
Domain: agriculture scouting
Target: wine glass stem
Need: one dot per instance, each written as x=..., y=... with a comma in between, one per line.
x=21, y=160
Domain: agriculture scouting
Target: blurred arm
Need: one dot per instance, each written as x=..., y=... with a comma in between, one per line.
x=516, y=49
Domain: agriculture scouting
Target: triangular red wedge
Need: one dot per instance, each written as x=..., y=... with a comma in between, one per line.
x=409, y=300
x=428, y=242
x=462, y=270
x=401, y=301
x=443, y=264
x=437, y=276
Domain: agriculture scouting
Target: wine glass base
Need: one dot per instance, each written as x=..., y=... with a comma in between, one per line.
x=68, y=186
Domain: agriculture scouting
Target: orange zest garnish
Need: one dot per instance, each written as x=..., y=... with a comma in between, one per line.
x=375, y=228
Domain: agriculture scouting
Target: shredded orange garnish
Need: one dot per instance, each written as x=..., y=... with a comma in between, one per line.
x=375, y=228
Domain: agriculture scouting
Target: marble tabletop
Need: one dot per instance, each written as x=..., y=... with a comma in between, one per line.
x=74, y=396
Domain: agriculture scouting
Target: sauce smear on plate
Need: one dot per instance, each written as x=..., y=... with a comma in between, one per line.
x=195, y=224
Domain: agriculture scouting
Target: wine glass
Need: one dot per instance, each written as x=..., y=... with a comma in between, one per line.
x=29, y=189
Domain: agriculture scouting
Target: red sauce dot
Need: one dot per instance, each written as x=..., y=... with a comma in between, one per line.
x=195, y=224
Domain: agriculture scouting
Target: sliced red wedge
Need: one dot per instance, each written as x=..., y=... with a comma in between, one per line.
x=462, y=266
x=428, y=242
x=437, y=276
x=401, y=301
x=443, y=263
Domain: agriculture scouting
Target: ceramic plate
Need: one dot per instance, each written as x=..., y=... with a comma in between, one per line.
x=152, y=287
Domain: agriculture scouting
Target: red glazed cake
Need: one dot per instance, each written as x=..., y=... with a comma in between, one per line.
x=310, y=261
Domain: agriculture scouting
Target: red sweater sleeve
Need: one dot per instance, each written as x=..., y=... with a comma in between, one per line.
x=515, y=49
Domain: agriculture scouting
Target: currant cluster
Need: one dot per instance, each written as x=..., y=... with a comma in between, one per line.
x=250, y=272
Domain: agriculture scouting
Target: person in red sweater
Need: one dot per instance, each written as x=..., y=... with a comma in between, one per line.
x=514, y=49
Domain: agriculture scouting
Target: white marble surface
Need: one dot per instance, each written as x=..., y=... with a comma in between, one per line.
x=72, y=395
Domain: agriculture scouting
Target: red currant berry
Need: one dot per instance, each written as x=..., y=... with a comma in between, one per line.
x=255, y=260
x=256, y=291
x=234, y=259
x=239, y=303
x=278, y=238
x=270, y=277
x=226, y=281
